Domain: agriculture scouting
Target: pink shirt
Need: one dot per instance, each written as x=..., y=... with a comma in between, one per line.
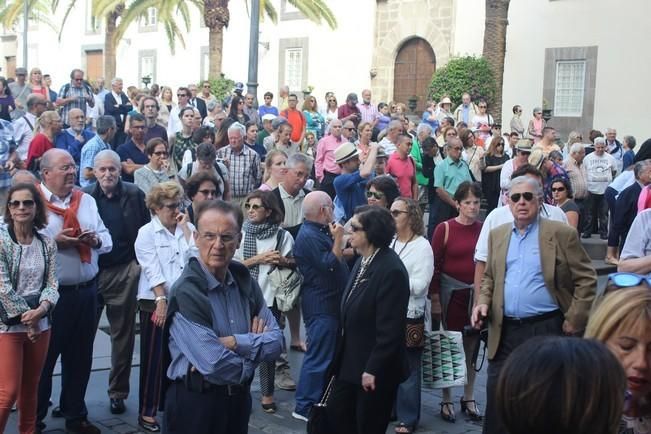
x=404, y=170
x=325, y=156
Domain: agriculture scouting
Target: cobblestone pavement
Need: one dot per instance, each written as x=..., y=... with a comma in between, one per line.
x=260, y=422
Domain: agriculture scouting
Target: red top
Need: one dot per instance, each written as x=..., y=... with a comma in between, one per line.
x=345, y=110
x=296, y=119
x=41, y=90
x=37, y=147
x=456, y=258
x=404, y=170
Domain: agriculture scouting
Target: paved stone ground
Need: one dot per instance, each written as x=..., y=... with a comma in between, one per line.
x=260, y=422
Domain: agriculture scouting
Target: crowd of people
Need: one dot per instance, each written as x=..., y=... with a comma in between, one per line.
x=217, y=224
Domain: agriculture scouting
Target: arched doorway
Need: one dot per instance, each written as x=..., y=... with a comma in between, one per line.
x=415, y=64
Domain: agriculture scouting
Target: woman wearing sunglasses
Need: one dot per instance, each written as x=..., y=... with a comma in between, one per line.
x=163, y=247
x=416, y=255
x=265, y=245
x=562, y=195
x=623, y=322
x=28, y=292
x=158, y=169
x=453, y=245
x=382, y=191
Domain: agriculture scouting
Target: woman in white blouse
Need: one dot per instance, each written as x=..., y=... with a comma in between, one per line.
x=417, y=257
x=264, y=245
x=162, y=248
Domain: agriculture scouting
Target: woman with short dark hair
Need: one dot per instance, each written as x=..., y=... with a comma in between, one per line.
x=265, y=245
x=453, y=245
x=370, y=360
x=563, y=198
x=382, y=191
x=561, y=385
x=28, y=292
x=158, y=169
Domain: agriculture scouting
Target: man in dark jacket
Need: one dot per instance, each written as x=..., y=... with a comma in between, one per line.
x=122, y=208
x=117, y=104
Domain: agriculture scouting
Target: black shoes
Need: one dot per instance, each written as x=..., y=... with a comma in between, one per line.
x=82, y=427
x=117, y=406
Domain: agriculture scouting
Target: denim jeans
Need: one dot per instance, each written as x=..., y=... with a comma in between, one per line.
x=321, y=340
x=408, y=396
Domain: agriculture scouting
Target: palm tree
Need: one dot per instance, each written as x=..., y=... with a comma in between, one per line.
x=496, y=21
x=12, y=12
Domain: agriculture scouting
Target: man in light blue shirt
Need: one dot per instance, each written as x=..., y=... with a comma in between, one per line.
x=106, y=128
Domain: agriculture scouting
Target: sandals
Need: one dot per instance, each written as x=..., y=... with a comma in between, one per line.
x=611, y=261
x=474, y=415
x=269, y=408
x=449, y=416
x=403, y=428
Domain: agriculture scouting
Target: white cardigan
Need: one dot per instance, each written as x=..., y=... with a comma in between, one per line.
x=418, y=259
x=267, y=245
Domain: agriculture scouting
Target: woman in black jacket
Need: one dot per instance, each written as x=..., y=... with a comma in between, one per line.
x=370, y=360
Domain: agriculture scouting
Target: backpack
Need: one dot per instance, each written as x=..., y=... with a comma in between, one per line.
x=188, y=170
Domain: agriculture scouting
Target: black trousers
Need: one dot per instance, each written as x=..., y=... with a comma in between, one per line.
x=73, y=333
x=512, y=337
x=210, y=412
x=597, y=212
x=351, y=410
x=327, y=185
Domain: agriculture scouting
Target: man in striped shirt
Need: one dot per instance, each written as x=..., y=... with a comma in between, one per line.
x=243, y=164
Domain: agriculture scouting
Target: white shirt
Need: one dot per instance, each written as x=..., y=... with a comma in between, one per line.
x=267, y=245
x=70, y=269
x=293, y=207
x=502, y=215
x=388, y=146
x=623, y=181
x=174, y=124
x=599, y=171
x=23, y=134
x=161, y=255
x=418, y=259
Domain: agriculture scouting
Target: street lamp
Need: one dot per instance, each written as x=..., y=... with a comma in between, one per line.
x=252, y=84
x=25, y=26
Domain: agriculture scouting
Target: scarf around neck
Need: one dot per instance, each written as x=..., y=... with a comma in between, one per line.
x=253, y=232
x=70, y=221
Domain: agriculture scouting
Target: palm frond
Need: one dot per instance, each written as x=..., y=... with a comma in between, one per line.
x=315, y=10
x=268, y=9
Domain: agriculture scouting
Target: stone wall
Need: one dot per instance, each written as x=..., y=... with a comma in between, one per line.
x=400, y=20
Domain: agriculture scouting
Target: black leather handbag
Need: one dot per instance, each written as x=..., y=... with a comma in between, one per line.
x=317, y=419
x=32, y=302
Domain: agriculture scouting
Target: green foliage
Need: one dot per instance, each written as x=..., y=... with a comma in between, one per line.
x=464, y=74
x=221, y=87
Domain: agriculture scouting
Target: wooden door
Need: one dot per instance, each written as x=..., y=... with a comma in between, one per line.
x=94, y=64
x=11, y=67
x=414, y=67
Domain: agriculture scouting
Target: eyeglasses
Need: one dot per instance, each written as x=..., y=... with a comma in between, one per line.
x=482, y=106
x=29, y=203
x=527, y=195
x=356, y=228
x=396, y=212
x=225, y=238
x=212, y=193
x=172, y=206
x=254, y=207
x=332, y=100
x=629, y=279
x=181, y=95
x=554, y=190
x=206, y=86
x=376, y=194
x=349, y=128
x=161, y=153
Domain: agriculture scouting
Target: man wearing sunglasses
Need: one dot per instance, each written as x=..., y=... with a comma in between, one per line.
x=174, y=122
x=538, y=281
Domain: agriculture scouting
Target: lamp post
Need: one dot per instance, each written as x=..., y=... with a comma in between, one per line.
x=252, y=84
x=25, y=27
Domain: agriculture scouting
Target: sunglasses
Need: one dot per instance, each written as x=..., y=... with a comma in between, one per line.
x=554, y=190
x=376, y=194
x=396, y=212
x=356, y=228
x=181, y=95
x=254, y=207
x=629, y=279
x=482, y=106
x=29, y=203
x=161, y=153
x=527, y=195
x=172, y=206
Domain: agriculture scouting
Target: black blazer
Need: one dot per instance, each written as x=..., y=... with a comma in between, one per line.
x=120, y=112
x=373, y=322
x=200, y=105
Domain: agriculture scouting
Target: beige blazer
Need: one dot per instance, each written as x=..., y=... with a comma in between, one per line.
x=567, y=271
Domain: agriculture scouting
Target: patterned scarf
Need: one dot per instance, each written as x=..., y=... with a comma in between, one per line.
x=253, y=232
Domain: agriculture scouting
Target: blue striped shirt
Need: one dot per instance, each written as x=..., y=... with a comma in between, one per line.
x=192, y=343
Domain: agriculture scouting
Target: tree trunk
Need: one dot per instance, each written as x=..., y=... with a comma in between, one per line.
x=110, y=44
x=215, y=51
x=497, y=12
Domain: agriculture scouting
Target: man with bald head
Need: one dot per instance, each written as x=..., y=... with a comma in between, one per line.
x=318, y=253
x=325, y=168
x=76, y=226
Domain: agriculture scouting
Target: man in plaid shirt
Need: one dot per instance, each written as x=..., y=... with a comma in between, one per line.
x=243, y=164
x=76, y=94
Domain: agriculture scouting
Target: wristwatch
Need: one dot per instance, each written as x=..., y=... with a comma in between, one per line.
x=160, y=298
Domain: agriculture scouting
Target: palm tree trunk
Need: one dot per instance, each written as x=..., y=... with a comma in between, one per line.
x=497, y=13
x=215, y=51
x=110, y=44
